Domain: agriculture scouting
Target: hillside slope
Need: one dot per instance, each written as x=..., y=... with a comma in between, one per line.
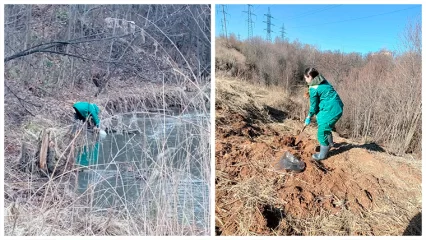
x=359, y=190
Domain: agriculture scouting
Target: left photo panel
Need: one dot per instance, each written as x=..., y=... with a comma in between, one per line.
x=107, y=120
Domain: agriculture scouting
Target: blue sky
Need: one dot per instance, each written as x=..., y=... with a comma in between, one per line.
x=346, y=27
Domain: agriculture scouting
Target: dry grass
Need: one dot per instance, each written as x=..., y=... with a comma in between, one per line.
x=257, y=100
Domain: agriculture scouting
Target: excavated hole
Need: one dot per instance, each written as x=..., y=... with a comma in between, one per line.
x=273, y=216
x=218, y=231
x=289, y=141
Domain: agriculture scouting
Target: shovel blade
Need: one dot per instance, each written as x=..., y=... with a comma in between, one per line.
x=299, y=138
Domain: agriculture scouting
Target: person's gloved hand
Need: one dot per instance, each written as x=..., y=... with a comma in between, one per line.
x=102, y=134
x=307, y=121
x=96, y=129
x=306, y=94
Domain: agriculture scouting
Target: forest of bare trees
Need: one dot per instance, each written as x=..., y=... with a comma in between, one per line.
x=381, y=90
x=51, y=48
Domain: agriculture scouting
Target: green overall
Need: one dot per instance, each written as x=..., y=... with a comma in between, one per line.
x=88, y=155
x=326, y=104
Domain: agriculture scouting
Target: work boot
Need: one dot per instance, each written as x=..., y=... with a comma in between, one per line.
x=322, y=154
x=330, y=140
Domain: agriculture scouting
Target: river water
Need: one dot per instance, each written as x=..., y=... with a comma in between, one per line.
x=158, y=168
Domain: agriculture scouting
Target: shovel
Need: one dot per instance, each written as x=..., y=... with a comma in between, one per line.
x=299, y=137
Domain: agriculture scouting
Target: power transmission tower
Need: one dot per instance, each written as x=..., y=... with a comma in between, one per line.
x=282, y=32
x=224, y=31
x=249, y=21
x=268, y=25
x=239, y=37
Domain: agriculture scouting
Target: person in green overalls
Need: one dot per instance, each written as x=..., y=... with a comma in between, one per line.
x=89, y=112
x=327, y=105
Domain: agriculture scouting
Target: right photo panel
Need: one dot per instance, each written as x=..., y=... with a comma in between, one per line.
x=318, y=120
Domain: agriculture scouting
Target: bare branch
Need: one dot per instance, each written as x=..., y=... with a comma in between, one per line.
x=60, y=43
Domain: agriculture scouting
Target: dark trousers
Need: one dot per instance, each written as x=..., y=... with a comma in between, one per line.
x=78, y=116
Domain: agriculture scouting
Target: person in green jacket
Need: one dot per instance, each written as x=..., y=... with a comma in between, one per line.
x=327, y=105
x=85, y=111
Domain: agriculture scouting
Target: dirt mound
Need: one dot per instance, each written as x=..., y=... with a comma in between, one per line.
x=358, y=190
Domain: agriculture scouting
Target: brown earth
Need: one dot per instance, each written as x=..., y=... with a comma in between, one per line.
x=358, y=190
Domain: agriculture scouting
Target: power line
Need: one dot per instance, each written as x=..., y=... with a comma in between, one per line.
x=268, y=25
x=282, y=32
x=313, y=11
x=249, y=21
x=304, y=13
x=353, y=19
x=224, y=31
